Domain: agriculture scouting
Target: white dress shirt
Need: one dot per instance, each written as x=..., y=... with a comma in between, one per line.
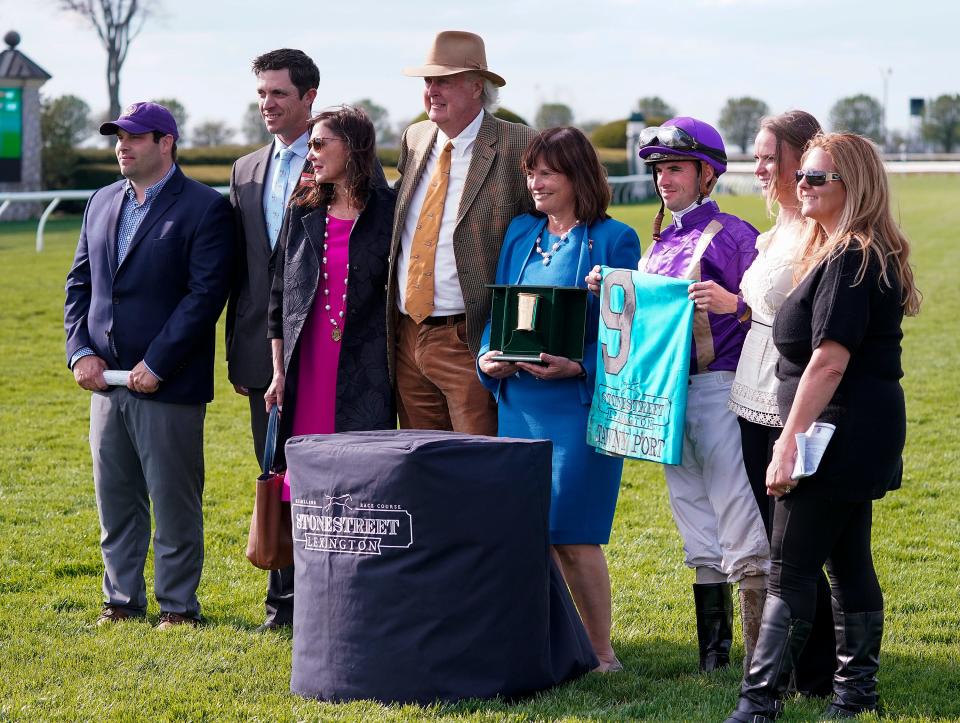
x=447, y=296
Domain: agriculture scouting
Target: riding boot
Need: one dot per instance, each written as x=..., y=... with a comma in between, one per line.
x=779, y=644
x=813, y=676
x=714, y=603
x=751, y=612
x=858, y=659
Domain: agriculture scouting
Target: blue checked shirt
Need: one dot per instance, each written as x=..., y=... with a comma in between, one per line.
x=131, y=215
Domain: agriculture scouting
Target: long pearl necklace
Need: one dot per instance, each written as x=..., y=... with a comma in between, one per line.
x=336, y=333
x=557, y=245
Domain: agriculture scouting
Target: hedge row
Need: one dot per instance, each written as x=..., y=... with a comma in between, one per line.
x=98, y=167
x=215, y=156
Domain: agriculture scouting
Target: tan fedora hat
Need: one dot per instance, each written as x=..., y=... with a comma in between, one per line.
x=455, y=51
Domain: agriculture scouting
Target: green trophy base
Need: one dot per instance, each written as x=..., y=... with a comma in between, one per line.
x=529, y=320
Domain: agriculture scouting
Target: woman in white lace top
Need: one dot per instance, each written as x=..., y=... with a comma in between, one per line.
x=765, y=284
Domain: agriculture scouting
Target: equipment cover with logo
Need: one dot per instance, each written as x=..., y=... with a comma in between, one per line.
x=423, y=569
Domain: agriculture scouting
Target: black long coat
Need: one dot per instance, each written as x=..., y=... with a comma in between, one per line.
x=364, y=397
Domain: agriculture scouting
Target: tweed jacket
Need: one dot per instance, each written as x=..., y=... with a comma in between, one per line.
x=364, y=396
x=494, y=192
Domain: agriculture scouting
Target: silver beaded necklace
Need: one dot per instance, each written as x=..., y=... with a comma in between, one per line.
x=557, y=245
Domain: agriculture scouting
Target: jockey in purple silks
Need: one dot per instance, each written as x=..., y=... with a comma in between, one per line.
x=712, y=502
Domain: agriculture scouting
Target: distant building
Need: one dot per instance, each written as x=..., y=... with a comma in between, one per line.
x=20, y=140
x=635, y=123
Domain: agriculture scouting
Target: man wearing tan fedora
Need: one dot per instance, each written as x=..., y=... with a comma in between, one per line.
x=460, y=185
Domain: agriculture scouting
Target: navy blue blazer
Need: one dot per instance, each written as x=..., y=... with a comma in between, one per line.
x=162, y=304
x=611, y=243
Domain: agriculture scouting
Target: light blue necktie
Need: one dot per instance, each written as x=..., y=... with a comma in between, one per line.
x=278, y=196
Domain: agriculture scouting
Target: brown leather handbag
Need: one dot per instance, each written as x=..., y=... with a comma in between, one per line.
x=270, y=542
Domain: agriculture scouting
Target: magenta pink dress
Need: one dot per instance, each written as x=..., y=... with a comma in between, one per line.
x=319, y=352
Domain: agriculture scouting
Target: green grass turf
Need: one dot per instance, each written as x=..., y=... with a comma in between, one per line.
x=55, y=666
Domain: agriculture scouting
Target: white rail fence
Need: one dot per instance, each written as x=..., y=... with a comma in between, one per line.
x=53, y=199
x=737, y=181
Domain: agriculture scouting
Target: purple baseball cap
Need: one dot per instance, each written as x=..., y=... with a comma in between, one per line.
x=143, y=118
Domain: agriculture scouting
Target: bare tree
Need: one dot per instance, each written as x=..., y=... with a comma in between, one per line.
x=117, y=23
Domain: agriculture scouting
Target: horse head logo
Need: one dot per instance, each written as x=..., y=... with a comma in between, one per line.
x=338, y=500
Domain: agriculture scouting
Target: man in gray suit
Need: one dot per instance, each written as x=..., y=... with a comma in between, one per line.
x=260, y=186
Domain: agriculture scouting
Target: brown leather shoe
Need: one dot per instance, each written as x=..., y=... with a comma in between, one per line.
x=170, y=620
x=112, y=614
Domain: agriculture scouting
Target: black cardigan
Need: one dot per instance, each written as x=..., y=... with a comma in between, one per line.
x=364, y=397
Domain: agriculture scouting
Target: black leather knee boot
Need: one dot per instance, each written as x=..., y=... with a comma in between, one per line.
x=779, y=644
x=858, y=659
x=813, y=675
x=714, y=624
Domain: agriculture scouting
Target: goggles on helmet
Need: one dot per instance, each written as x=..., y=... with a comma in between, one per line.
x=677, y=139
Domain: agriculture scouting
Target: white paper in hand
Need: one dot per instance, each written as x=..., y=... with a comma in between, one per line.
x=810, y=448
x=116, y=377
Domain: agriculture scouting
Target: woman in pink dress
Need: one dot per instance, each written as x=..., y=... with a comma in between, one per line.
x=326, y=318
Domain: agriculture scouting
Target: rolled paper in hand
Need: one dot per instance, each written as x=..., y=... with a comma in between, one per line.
x=116, y=377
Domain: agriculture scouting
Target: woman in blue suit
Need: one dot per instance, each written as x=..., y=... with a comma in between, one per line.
x=557, y=245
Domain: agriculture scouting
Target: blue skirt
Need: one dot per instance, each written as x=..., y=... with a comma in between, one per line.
x=585, y=482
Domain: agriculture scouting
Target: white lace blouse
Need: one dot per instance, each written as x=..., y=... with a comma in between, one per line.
x=764, y=287
x=770, y=277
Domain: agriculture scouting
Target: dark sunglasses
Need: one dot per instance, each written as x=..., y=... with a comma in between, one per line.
x=319, y=142
x=678, y=139
x=816, y=178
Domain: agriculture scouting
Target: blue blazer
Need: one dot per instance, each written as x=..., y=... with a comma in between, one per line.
x=611, y=243
x=162, y=304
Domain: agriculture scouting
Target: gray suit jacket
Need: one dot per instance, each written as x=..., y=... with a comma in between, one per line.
x=495, y=191
x=248, y=349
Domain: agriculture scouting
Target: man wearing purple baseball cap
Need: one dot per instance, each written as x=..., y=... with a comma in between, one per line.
x=712, y=502
x=148, y=282
x=143, y=118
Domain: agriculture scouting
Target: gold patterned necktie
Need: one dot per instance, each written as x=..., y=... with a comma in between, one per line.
x=423, y=249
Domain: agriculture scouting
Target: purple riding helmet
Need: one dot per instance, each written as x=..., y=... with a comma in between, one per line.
x=683, y=139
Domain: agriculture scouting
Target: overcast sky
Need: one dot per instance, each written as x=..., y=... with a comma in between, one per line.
x=597, y=56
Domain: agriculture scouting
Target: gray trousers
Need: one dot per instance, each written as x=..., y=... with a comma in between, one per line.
x=710, y=495
x=146, y=451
